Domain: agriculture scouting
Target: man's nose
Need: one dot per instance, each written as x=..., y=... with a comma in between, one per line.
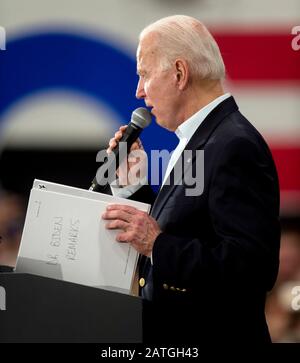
x=140, y=92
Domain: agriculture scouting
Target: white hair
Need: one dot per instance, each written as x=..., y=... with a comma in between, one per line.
x=181, y=36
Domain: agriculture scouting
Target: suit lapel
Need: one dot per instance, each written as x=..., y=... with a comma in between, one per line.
x=198, y=140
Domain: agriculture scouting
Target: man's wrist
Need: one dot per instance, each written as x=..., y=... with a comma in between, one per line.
x=125, y=191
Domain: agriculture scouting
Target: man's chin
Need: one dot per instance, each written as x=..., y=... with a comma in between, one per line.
x=161, y=123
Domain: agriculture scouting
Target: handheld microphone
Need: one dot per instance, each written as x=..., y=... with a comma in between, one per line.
x=140, y=118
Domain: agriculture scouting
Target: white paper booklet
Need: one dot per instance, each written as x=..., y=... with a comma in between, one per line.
x=65, y=238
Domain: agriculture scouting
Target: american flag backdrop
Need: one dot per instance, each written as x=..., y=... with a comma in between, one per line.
x=68, y=72
x=264, y=72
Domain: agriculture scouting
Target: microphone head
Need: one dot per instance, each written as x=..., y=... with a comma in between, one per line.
x=141, y=117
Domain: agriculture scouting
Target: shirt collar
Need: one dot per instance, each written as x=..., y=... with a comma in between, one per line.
x=187, y=129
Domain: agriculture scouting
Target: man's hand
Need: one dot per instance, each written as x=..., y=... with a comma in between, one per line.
x=137, y=227
x=136, y=155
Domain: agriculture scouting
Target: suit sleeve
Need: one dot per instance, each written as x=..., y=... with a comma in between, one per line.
x=243, y=206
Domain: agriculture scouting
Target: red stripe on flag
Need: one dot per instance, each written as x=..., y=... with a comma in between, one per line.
x=287, y=161
x=265, y=57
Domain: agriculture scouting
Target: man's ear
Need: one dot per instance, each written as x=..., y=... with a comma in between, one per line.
x=182, y=73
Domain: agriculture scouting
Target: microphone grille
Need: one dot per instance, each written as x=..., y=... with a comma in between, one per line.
x=141, y=117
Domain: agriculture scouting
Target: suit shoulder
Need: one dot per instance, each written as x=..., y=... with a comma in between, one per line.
x=235, y=129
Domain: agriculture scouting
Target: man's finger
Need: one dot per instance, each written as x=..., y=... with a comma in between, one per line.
x=118, y=135
x=124, y=237
x=117, y=214
x=121, y=207
x=112, y=143
x=117, y=224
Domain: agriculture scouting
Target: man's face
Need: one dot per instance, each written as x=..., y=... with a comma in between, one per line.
x=156, y=86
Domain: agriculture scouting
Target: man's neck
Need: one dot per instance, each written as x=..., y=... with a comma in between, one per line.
x=198, y=96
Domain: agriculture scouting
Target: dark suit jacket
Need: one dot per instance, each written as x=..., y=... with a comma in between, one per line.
x=218, y=253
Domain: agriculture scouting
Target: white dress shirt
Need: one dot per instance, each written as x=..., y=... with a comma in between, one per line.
x=186, y=130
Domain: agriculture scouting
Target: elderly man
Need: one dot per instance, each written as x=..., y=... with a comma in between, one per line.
x=207, y=260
